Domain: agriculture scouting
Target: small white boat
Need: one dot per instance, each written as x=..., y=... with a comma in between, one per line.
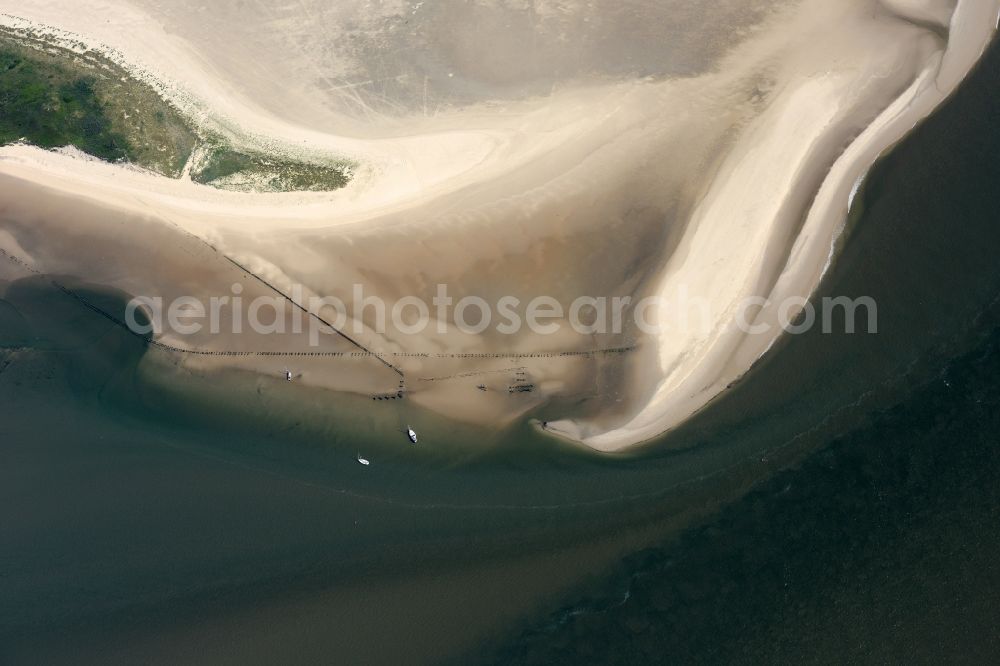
x=411, y=434
x=363, y=461
x=288, y=375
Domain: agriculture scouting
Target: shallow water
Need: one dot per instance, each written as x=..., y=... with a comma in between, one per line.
x=143, y=524
x=155, y=521
x=878, y=548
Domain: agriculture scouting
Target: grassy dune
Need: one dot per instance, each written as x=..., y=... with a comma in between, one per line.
x=53, y=97
x=247, y=171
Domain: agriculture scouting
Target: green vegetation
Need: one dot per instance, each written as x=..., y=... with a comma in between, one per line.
x=229, y=169
x=160, y=137
x=222, y=163
x=53, y=97
x=50, y=109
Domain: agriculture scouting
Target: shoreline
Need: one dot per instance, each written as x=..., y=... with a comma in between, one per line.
x=419, y=204
x=826, y=219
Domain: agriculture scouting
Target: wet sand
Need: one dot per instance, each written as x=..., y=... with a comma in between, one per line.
x=164, y=509
x=730, y=183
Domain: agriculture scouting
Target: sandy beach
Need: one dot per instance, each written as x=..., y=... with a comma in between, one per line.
x=729, y=180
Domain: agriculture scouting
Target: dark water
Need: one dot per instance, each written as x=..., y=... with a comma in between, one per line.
x=141, y=526
x=880, y=549
x=881, y=546
x=184, y=523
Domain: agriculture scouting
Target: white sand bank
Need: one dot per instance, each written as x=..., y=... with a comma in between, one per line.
x=731, y=182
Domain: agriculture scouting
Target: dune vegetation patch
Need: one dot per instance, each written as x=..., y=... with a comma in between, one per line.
x=49, y=109
x=52, y=96
x=247, y=171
